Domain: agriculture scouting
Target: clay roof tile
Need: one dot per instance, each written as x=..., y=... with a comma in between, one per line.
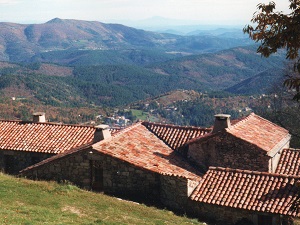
x=256, y=191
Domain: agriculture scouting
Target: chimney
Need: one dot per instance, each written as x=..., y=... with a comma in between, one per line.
x=39, y=117
x=102, y=132
x=222, y=121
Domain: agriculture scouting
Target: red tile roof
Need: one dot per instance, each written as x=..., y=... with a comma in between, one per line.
x=43, y=137
x=289, y=162
x=175, y=136
x=248, y=190
x=255, y=130
x=259, y=131
x=140, y=147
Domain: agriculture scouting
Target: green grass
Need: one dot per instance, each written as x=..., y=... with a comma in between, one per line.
x=141, y=115
x=29, y=202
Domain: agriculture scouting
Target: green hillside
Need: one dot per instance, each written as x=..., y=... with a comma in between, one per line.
x=31, y=202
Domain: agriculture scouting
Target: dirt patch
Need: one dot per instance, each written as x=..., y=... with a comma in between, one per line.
x=73, y=210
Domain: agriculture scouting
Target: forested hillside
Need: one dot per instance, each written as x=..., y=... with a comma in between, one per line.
x=119, y=84
x=217, y=71
x=65, y=66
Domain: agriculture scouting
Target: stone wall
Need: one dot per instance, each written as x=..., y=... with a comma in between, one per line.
x=120, y=178
x=174, y=192
x=221, y=215
x=74, y=168
x=225, y=150
x=13, y=161
x=126, y=180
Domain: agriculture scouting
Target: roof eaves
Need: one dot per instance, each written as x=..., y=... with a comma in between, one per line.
x=279, y=145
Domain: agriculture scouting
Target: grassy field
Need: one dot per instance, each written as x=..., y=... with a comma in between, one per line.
x=34, y=202
x=144, y=116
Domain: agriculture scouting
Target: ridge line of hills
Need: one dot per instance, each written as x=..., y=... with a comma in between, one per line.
x=31, y=42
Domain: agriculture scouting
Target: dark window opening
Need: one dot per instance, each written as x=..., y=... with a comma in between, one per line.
x=96, y=176
x=9, y=164
x=264, y=220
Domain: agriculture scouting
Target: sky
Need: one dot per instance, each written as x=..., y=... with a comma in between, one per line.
x=228, y=12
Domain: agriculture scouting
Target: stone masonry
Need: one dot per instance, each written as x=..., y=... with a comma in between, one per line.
x=119, y=178
x=225, y=150
x=14, y=161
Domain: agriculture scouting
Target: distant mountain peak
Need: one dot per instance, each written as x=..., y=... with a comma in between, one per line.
x=56, y=20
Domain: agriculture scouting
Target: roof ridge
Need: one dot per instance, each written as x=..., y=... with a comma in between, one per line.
x=121, y=132
x=126, y=129
x=292, y=149
x=47, y=123
x=227, y=169
x=243, y=120
x=175, y=126
x=253, y=115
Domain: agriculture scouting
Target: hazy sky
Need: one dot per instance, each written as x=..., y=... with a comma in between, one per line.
x=206, y=11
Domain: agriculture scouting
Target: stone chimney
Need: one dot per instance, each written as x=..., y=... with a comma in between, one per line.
x=39, y=117
x=222, y=121
x=102, y=132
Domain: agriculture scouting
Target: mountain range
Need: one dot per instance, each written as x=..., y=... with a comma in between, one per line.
x=27, y=43
x=79, y=63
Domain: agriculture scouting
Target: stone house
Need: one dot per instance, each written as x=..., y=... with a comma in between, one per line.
x=134, y=163
x=171, y=165
x=252, y=143
x=23, y=144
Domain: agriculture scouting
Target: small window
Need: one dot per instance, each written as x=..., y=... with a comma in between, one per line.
x=264, y=220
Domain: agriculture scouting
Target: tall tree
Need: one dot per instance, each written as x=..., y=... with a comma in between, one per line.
x=276, y=30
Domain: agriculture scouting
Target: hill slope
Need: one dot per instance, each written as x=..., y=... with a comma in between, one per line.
x=217, y=71
x=261, y=83
x=29, y=202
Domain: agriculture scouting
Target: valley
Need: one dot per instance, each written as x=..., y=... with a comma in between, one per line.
x=77, y=70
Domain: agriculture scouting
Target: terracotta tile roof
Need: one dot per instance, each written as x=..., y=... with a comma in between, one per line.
x=43, y=137
x=248, y=190
x=257, y=131
x=140, y=147
x=175, y=136
x=289, y=162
